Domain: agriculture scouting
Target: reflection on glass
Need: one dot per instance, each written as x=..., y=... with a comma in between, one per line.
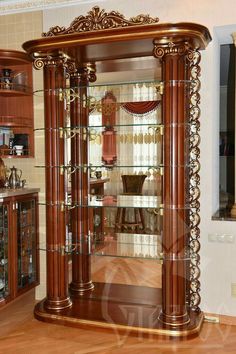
x=26, y=240
x=4, y=289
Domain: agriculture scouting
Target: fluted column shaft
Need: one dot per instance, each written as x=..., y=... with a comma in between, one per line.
x=175, y=183
x=57, y=262
x=81, y=257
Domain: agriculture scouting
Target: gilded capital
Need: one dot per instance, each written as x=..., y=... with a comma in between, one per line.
x=169, y=48
x=46, y=59
x=87, y=71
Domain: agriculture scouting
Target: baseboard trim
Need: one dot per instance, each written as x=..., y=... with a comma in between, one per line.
x=223, y=319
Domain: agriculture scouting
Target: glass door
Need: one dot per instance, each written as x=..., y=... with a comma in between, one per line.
x=26, y=243
x=4, y=252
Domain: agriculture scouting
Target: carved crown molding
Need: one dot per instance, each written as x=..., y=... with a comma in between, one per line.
x=97, y=19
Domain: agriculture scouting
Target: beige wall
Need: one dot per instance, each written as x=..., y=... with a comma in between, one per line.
x=14, y=30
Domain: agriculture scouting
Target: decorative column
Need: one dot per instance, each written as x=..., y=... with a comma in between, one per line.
x=175, y=72
x=79, y=109
x=233, y=210
x=57, y=262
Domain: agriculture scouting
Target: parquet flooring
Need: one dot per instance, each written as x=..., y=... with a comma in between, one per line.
x=20, y=333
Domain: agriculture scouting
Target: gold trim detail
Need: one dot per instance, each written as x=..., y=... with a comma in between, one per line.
x=170, y=48
x=194, y=178
x=82, y=322
x=41, y=59
x=97, y=19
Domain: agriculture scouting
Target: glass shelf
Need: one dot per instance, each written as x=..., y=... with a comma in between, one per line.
x=120, y=201
x=119, y=245
x=156, y=167
x=127, y=85
x=153, y=204
x=151, y=126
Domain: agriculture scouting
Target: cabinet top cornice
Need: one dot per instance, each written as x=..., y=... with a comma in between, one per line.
x=127, y=39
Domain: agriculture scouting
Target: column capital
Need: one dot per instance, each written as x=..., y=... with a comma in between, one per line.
x=84, y=72
x=45, y=59
x=162, y=48
x=234, y=38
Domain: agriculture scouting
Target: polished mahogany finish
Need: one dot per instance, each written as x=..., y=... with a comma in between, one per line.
x=19, y=242
x=16, y=99
x=175, y=185
x=81, y=264
x=96, y=40
x=57, y=280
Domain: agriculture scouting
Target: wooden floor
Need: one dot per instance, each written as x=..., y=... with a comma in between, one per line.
x=20, y=333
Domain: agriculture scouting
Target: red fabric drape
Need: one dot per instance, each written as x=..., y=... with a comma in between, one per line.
x=140, y=108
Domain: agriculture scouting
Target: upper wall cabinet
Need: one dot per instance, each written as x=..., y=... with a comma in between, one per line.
x=16, y=105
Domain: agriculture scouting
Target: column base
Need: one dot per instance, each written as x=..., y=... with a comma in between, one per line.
x=57, y=304
x=81, y=288
x=174, y=320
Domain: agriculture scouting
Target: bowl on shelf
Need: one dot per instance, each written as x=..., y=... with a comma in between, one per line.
x=18, y=149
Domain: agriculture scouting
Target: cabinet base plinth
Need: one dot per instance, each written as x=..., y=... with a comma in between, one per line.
x=121, y=308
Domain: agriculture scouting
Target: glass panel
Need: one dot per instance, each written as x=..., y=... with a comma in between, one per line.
x=26, y=241
x=128, y=245
x=4, y=286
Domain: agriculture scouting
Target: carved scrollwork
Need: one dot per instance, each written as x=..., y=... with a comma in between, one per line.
x=85, y=72
x=97, y=19
x=194, y=193
x=161, y=49
x=41, y=60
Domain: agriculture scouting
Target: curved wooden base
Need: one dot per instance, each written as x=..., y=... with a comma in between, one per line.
x=120, y=308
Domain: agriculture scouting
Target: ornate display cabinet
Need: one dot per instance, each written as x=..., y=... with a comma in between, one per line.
x=71, y=58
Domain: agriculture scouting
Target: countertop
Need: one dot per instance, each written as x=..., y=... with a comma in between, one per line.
x=5, y=192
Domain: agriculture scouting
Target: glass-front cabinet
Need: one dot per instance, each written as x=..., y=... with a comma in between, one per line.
x=121, y=164
x=26, y=243
x=4, y=251
x=19, y=261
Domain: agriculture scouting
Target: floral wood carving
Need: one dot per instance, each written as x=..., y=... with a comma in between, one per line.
x=98, y=20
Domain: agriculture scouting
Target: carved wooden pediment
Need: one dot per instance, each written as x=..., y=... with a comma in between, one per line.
x=97, y=19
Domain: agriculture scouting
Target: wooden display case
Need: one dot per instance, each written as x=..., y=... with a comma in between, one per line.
x=107, y=42
x=19, y=258
x=16, y=104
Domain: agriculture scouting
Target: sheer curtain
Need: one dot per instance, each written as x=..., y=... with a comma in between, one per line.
x=138, y=145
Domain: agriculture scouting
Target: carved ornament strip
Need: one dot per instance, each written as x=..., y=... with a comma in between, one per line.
x=97, y=19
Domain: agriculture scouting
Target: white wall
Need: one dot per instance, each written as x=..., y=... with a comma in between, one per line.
x=218, y=260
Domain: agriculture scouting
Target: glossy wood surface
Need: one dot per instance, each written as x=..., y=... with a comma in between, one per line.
x=16, y=104
x=175, y=186
x=57, y=271
x=81, y=264
x=20, y=333
x=136, y=41
x=14, y=245
x=171, y=44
